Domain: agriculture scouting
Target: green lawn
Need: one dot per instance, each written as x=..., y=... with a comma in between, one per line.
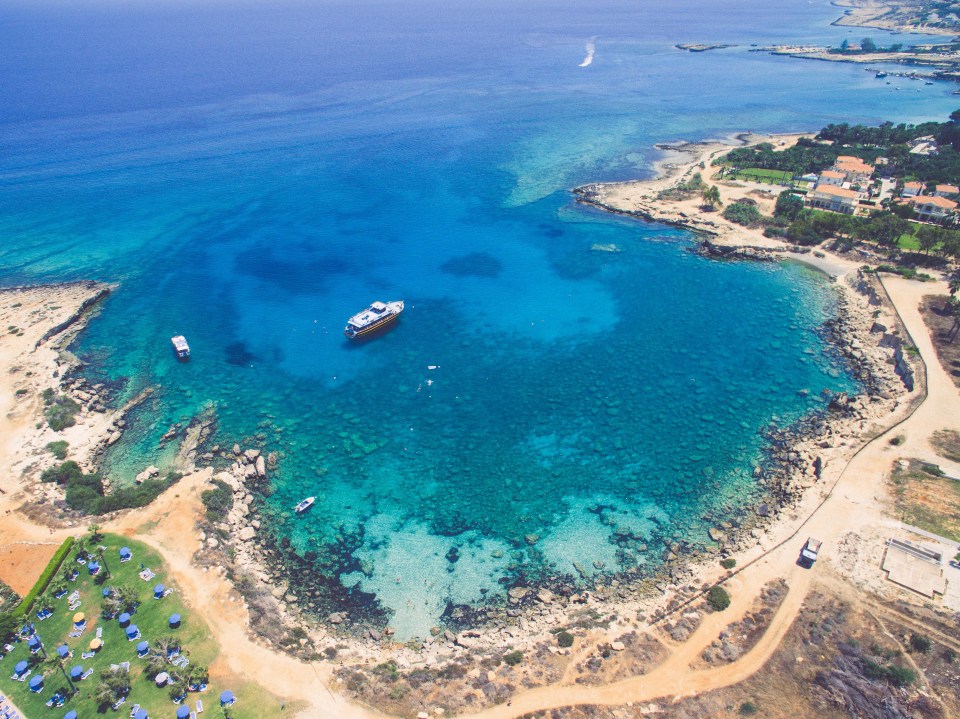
x=151, y=617
x=908, y=241
x=756, y=174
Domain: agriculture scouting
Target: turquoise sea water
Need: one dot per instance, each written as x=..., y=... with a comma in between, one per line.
x=252, y=175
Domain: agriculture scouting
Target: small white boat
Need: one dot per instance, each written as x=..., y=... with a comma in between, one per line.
x=304, y=505
x=180, y=346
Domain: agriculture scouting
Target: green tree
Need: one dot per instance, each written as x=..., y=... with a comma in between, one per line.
x=154, y=664
x=718, y=598
x=928, y=237
x=868, y=45
x=788, y=206
x=742, y=212
x=95, y=534
x=54, y=662
x=710, y=194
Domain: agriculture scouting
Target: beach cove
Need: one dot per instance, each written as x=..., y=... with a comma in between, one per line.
x=468, y=503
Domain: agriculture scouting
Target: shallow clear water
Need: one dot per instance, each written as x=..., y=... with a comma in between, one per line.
x=252, y=176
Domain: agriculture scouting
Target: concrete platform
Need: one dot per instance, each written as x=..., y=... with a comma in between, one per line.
x=917, y=568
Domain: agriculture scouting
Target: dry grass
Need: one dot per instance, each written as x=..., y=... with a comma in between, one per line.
x=943, y=333
x=926, y=499
x=947, y=444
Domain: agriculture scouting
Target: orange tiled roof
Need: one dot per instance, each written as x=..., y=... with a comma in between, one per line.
x=832, y=173
x=852, y=164
x=950, y=189
x=941, y=202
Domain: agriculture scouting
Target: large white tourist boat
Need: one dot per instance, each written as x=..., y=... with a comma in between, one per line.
x=375, y=317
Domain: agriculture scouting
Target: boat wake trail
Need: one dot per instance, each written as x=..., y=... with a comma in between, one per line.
x=591, y=51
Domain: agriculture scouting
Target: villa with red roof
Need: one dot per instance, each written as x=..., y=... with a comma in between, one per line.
x=931, y=208
x=835, y=199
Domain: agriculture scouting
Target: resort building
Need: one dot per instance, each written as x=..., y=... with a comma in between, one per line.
x=926, y=145
x=932, y=208
x=835, y=199
x=855, y=169
x=832, y=177
x=947, y=191
x=911, y=189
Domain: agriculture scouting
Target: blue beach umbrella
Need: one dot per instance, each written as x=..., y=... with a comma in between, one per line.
x=183, y=712
x=142, y=714
x=36, y=682
x=143, y=647
x=158, y=590
x=125, y=553
x=124, y=619
x=93, y=567
x=63, y=650
x=20, y=668
x=132, y=630
x=33, y=641
x=106, y=591
x=227, y=697
x=174, y=620
x=76, y=672
x=70, y=715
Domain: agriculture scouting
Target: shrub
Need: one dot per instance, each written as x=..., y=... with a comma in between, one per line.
x=60, y=411
x=742, y=212
x=565, y=639
x=919, y=643
x=218, y=501
x=62, y=473
x=58, y=449
x=748, y=709
x=46, y=576
x=728, y=563
x=513, y=658
x=893, y=673
x=718, y=598
x=9, y=624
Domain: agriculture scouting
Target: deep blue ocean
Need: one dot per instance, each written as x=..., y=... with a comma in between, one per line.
x=251, y=174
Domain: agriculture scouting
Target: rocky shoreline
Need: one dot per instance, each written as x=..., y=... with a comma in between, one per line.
x=352, y=629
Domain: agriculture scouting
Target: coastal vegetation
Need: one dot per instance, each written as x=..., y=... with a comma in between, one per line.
x=718, y=598
x=866, y=46
x=887, y=140
x=60, y=411
x=58, y=449
x=87, y=494
x=217, y=501
x=743, y=212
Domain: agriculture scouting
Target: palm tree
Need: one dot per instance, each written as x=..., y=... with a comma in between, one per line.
x=127, y=596
x=55, y=662
x=154, y=664
x=103, y=693
x=710, y=194
x=198, y=674
x=164, y=645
